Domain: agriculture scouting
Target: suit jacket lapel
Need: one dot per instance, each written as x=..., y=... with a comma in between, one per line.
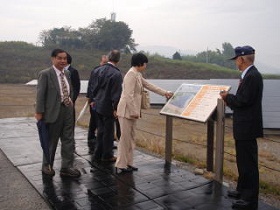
x=245, y=76
x=248, y=72
x=55, y=80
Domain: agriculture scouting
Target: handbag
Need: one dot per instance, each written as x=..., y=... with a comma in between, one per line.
x=145, y=100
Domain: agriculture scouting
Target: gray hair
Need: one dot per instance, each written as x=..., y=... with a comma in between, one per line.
x=114, y=56
x=249, y=58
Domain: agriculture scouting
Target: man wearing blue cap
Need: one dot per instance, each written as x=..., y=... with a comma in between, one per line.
x=247, y=126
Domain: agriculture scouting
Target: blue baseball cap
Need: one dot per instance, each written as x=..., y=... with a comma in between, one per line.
x=240, y=51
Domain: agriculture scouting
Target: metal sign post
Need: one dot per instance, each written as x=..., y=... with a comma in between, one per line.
x=168, y=142
x=220, y=133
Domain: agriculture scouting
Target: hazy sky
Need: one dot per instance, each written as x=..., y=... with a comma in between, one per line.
x=183, y=24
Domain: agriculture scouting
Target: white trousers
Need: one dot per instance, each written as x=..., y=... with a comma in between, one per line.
x=126, y=145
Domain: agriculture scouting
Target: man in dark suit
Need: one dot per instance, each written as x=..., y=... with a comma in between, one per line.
x=106, y=92
x=75, y=80
x=93, y=122
x=247, y=126
x=54, y=105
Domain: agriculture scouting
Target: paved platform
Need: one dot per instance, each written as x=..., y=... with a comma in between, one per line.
x=99, y=187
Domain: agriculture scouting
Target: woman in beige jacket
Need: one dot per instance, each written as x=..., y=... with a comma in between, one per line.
x=129, y=108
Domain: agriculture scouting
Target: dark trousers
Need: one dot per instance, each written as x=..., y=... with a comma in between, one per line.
x=93, y=122
x=74, y=123
x=247, y=165
x=62, y=129
x=74, y=116
x=105, y=137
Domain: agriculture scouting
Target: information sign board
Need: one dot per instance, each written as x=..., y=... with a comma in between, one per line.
x=194, y=101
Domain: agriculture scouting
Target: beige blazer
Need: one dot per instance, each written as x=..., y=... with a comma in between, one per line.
x=130, y=102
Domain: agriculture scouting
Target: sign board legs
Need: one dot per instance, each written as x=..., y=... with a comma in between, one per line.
x=220, y=133
x=168, y=142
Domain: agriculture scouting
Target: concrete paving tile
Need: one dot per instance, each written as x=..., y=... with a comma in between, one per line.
x=99, y=187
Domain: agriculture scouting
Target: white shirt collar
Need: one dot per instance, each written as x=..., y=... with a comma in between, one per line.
x=58, y=71
x=111, y=63
x=245, y=71
x=67, y=67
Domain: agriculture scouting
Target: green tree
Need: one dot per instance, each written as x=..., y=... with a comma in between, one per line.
x=218, y=57
x=90, y=33
x=101, y=34
x=64, y=37
x=177, y=56
x=112, y=35
x=228, y=52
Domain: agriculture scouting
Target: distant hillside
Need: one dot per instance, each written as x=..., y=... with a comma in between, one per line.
x=20, y=62
x=168, y=52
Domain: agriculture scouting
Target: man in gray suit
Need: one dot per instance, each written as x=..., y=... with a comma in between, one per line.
x=54, y=105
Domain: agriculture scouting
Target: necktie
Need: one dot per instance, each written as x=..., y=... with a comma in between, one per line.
x=65, y=99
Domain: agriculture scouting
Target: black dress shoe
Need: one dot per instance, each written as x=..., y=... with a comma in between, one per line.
x=132, y=168
x=70, y=172
x=91, y=151
x=123, y=170
x=47, y=170
x=233, y=194
x=242, y=204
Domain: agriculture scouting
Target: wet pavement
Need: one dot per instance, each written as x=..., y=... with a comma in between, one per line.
x=99, y=187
